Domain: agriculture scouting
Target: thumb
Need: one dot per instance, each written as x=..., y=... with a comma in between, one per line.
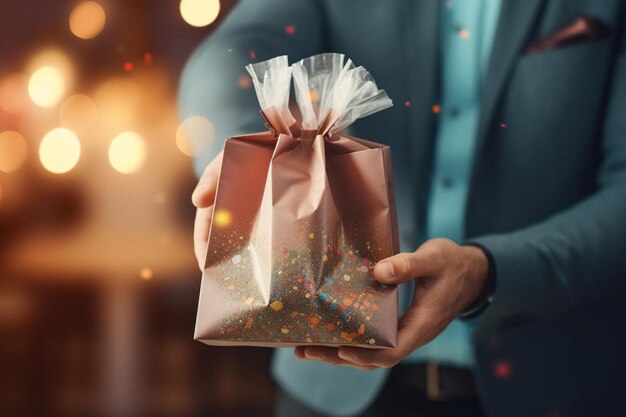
x=402, y=267
x=204, y=194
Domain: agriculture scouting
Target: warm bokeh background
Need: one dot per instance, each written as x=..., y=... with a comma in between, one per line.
x=98, y=283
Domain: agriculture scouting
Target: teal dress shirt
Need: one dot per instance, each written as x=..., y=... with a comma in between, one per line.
x=466, y=35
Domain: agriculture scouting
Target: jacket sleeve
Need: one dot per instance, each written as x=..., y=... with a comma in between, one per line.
x=215, y=84
x=578, y=255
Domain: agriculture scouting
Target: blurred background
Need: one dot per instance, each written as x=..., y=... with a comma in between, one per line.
x=98, y=282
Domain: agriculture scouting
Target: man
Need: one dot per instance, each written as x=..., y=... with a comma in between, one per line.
x=509, y=140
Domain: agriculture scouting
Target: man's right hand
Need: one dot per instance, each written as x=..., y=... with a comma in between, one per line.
x=203, y=198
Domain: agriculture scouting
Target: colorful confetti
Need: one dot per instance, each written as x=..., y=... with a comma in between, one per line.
x=341, y=303
x=276, y=305
x=502, y=370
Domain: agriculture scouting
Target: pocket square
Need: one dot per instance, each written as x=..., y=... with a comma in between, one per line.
x=584, y=27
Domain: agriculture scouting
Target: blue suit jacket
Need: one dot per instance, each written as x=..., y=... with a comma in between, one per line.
x=547, y=196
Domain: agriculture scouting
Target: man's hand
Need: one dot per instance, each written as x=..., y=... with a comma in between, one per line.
x=448, y=278
x=203, y=198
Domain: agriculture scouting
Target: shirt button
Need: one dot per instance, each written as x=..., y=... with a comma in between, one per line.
x=447, y=183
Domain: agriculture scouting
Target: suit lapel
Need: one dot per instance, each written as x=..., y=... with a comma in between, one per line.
x=516, y=21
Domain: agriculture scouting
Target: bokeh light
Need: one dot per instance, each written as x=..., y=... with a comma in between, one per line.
x=146, y=274
x=47, y=86
x=54, y=58
x=59, y=150
x=13, y=150
x=222, y=218
x=195, y=135
x=118, y=102
x=127, y=152
x=502, y=369
x=199, y=13
x=78, y=113
x=14, y=93
x=87, y=20
x=244, y=82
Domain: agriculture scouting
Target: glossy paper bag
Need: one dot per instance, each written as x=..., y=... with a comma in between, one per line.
x=302, y=214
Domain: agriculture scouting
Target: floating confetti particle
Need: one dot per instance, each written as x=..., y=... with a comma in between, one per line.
x=244, y=82
x=128, y=66
x=503, y=125
x=436, y=108
x=364, y=269
x=252, y=54
x=290, y=29
x=407, y=103
x=361, y=329
x=371, y=341
x=313, y=95
x=347, y=302
x=249, y=323
x=236, y=259
x=249, y=300
x=330, y=326
x=311, y=235
x=464, y=33
x=315, y=320
x=348, y=336
x=284, y=330
x=502, y=370
x=325, y=258
x=276, y=305
x=346, y=277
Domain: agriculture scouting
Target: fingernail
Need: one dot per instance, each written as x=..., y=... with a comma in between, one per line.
x=347, y=356
x=314, y=356
x=384, y=270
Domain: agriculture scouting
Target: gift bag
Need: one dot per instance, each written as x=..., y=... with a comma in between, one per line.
x=302, y=214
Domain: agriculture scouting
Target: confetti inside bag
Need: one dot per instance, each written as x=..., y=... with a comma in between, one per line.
x=301, y=216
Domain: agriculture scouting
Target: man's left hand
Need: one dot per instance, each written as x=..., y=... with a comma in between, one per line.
x=448, y=278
